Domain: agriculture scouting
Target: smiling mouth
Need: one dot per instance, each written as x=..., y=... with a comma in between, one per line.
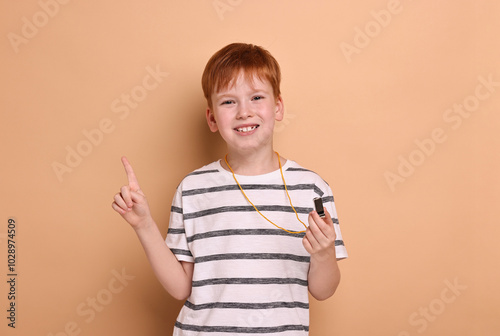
x=246, y=129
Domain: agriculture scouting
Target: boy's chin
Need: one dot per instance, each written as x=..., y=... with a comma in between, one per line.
x=250, y=147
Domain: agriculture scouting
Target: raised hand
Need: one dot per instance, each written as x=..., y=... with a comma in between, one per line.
x=131, y=202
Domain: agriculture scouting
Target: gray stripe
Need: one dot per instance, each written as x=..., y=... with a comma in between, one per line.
x=260, y=256
x=241, y=330
x=245, y=208
x=299, y=169
x=176, y=231
x=244, y=305
x=263, y=232
x=232, y=187
x=249, y=208
x=249, y=281
x=181, y=252
x=327, y=199
x=176, y=209
x=295, y=169
x=249, y=232
x=203, y=172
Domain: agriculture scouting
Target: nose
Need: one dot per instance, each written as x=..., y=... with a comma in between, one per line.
x=244, y=111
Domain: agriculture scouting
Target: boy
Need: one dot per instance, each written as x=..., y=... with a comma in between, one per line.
x=238, y=250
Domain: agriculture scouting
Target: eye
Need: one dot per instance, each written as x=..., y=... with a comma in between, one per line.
x=226, y=102
x=258, y=98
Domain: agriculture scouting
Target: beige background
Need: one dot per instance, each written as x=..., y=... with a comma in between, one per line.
x=422, y=241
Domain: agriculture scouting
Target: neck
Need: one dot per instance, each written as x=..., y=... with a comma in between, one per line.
x=252, y=163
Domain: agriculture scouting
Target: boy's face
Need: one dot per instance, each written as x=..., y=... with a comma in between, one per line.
x=245, y=114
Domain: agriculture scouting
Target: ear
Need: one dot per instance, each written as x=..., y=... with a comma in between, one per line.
x=212, y=123
x=280, y=109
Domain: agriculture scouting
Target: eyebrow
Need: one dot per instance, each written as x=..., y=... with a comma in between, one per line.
x=253, y=91
x=222, y=96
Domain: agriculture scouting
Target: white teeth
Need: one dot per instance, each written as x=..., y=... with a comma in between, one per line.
x=246, y=129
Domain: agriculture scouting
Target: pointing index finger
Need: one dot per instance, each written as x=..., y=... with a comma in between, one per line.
x=132, y=179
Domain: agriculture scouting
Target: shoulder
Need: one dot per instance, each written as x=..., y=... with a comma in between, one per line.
x=306, y=178
x=293, y=168
x=210, y=168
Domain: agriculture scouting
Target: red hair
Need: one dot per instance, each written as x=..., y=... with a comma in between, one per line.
x=226, y=64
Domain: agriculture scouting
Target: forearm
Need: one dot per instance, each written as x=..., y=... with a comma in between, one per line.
x=166, y=267
x=324, y=276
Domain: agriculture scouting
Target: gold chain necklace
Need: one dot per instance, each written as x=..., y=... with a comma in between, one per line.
x=284, y=183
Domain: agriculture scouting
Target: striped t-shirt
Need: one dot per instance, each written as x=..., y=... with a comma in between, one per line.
x=249, y=278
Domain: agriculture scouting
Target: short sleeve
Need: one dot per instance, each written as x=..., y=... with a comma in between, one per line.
x=176, y=236
x=328, y=202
